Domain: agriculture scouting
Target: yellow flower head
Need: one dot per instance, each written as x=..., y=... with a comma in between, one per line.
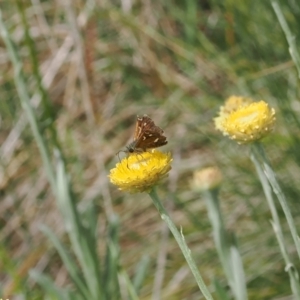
x=206, y=179
x=139, y=172
x=232, y=104
x=249, y=123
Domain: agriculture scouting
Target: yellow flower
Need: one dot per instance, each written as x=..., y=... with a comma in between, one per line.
x=206, y=179
x=249, y=123
x=232, y=104
x=139, y=172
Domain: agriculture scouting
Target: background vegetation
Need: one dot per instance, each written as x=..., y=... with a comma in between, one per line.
x=89, y=68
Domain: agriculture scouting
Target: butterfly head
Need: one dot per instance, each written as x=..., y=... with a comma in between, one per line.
x=131, y=148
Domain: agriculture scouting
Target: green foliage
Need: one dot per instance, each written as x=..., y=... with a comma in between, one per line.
x=78, y=74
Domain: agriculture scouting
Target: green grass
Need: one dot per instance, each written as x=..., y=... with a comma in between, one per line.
x=69, y=104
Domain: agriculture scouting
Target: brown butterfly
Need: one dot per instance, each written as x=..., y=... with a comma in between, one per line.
x=146, y=136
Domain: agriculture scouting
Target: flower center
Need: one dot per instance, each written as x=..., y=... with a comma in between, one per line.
x=139, y=162
x=248, y=117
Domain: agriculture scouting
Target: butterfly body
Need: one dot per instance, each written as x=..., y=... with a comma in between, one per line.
x=146, y=136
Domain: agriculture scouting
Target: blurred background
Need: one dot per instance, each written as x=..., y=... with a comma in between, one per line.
x=90, y=68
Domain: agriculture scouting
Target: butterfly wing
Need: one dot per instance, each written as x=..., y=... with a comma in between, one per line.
x=138, y=128
x=151, y=139
x=147, y=134
x=142, y=124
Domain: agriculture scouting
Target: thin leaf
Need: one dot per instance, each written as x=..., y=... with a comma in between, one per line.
x=68, y=262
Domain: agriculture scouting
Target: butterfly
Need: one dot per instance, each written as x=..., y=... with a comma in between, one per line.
x=146, y=136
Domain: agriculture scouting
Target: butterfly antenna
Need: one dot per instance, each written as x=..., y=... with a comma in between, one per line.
x=118, y=154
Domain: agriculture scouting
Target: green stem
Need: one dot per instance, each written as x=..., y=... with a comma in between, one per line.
x=34, y=60
x=24, y=98
x=47, y=106
x=293, y=274
x=227, y=251
x=181, y=243
x=268, y=193
x=129, y=285
x=219, y=232
x=280, y=195
x=291, y=39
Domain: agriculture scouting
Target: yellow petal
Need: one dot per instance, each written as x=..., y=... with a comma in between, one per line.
x=249, y=123
x=232, y=104
x=139, y=172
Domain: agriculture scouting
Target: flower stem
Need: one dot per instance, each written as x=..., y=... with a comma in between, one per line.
x=181, y=243
x=227, y=250
x=262, y=174
x=279, y=193
x=291, y=39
